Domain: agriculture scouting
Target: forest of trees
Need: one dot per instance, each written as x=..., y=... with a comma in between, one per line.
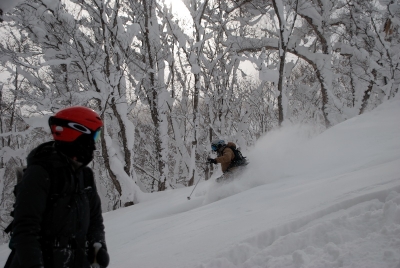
x=168, y=78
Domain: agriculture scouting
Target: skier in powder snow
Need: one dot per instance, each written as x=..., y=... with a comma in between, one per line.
x=225, y=154
x=58, y=221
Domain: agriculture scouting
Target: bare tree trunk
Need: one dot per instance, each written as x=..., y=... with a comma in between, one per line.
x=1, y=121
x=124, y=134
x=367, y=93
x=13, y=106
x=319, y=72
x=152, y=95
x=197, y=87
x=106, y=158
x=282, y=57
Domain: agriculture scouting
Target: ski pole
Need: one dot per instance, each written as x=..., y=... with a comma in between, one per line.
x=193, y=189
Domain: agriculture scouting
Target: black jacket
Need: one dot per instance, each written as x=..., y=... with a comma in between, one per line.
x=57, y=211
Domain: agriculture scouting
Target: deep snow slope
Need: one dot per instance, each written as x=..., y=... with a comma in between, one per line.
x=305, y=200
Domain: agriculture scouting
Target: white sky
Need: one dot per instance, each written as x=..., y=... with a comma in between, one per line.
x=175, y=3
x=305, y=200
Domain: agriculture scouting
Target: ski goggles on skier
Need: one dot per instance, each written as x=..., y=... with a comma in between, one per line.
x=214, y=147
x=97, y=135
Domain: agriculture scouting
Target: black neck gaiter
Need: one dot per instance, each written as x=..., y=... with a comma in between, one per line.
x=82, y=149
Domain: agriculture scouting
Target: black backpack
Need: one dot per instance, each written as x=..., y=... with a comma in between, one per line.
x=239, y=159
x=19, y=172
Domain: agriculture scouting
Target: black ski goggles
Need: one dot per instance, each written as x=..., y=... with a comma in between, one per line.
x=53, y=121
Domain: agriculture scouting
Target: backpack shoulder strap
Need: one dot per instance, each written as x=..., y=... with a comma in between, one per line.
x=88, y=179
x=52, y=174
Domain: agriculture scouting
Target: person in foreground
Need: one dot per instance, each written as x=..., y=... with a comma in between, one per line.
x=58, y=221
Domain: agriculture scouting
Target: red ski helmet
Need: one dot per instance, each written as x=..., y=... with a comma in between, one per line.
x=70, y=123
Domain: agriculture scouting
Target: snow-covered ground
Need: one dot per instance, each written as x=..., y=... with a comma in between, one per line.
x=305, y=200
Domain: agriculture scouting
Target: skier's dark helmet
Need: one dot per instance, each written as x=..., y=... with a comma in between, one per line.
x=75, y=131
x=216, y=144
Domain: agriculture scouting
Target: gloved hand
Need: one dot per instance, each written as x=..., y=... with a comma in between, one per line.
x=98, y=255
x=211, y=161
